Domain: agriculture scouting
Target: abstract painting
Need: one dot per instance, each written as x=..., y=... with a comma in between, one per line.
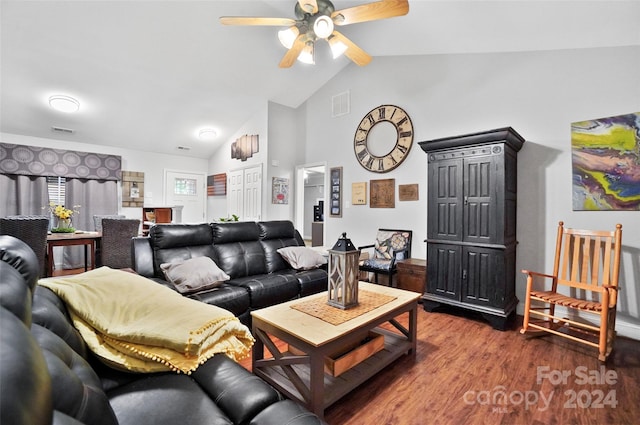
x=605, y=154
x=280, y=190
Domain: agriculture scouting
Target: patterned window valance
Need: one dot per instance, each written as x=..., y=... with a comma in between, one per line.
x=39, y=161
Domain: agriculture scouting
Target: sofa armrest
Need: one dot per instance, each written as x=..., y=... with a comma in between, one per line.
x=286, y=412
x=142, y=256
x=60, y=418
x=238, y=392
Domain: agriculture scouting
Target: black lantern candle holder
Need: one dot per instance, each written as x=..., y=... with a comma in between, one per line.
x=343, y=274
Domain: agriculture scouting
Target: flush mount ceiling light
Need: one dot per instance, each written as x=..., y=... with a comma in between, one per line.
x=64, y=103
x=207, y=134
x=316, y=19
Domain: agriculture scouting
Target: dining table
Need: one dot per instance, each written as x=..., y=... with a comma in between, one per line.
x=89, y=240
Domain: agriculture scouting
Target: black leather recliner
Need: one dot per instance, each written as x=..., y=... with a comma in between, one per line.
x=246, y=251
x=48, y=376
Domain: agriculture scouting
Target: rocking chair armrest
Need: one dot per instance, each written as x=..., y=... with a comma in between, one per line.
x=613, y=288
x=529, y=272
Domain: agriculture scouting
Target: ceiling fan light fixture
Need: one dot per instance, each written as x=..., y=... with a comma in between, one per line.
x=64, y=103
x=288, y=36
x=323, y=26
x=337, y=47
x=306, y=56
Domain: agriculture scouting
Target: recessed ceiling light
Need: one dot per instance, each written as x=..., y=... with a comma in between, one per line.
x=207, y=134
x=64, y=103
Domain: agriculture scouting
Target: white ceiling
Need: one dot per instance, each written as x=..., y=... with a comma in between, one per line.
x=149, y=73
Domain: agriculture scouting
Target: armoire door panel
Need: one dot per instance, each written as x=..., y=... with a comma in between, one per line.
x=479, y=200
x=445, y=219
x=479, y=272
x=443, y=274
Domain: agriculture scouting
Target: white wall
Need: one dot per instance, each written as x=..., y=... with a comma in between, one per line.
x=284, y=155
x=150, y=163
x=221, y=161
x=539, y=94
x=281, y=149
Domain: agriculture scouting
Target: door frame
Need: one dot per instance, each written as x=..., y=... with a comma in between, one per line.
x=299, y=194
x=203, y=191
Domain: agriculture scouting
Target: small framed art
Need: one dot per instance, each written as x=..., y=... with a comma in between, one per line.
x=335, y=184
x=383, y=193
x=359, y=193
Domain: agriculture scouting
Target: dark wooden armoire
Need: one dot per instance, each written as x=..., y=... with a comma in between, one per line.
x=471, y=223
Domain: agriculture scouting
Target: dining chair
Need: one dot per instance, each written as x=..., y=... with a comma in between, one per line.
x=32, y=229
x=115, y=245
x=97, y=220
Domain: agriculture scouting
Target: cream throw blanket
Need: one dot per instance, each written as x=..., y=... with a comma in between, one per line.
x=134, y=323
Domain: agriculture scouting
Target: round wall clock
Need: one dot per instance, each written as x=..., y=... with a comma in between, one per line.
x=387, y=151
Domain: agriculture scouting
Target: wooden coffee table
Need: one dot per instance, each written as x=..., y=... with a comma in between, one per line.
x=301, y=375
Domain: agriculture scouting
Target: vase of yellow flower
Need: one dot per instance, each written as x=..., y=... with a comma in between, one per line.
x=62, y=218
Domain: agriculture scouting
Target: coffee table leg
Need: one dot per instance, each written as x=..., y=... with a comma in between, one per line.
x=413, y=330
x=316, y=384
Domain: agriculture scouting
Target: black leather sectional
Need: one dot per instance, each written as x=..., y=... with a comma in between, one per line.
x=48, y=376
x=246, y=251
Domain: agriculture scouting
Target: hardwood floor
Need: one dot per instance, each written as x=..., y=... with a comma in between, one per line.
x=468, y=373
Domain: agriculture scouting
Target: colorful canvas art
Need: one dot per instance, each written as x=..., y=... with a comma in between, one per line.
x=280, y=189
x=606, y=163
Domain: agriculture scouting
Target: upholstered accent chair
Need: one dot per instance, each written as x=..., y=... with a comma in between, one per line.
x=31, y=229
x=115, y=246
x=390, y=246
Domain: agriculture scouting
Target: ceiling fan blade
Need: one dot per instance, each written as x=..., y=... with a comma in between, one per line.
x=293, y=53
x=247, y=20
x=309, y=6
x=370, y=12
x=353, y=52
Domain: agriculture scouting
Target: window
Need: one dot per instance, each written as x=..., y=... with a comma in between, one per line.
x=184, y=187
x=55, y=188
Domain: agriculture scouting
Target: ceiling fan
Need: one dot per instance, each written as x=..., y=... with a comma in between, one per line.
x=316, y=19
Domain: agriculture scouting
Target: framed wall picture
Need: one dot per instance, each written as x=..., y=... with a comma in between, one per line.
x=217, y=184
x=383, y=193
x=408, y=192
x=359, y=193
x=132, y=189
x=335, y=194
x=280, y=189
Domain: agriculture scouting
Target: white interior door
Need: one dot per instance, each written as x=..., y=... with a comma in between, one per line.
x=244, y=193
x=235, y=185
x=253, y=194
x=188, y=190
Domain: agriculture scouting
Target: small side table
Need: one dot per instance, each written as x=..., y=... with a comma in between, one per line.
x=412, y=274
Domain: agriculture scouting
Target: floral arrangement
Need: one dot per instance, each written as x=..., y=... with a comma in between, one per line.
x=63, y=216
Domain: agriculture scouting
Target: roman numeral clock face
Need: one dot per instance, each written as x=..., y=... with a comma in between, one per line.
x=383, y=138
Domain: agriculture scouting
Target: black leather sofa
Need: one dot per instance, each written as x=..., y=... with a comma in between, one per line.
x=246, y=251
x=47, y=375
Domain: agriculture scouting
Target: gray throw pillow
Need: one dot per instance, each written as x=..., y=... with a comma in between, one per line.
x=195, y=274
x=302, y=257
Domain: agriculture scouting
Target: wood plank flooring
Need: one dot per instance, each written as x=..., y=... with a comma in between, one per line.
x=468, y=373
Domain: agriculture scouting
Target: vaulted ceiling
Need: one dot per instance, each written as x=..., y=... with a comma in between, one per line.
x=148, y=74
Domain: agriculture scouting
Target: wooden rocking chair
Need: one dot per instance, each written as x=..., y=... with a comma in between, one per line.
x=587, y=264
